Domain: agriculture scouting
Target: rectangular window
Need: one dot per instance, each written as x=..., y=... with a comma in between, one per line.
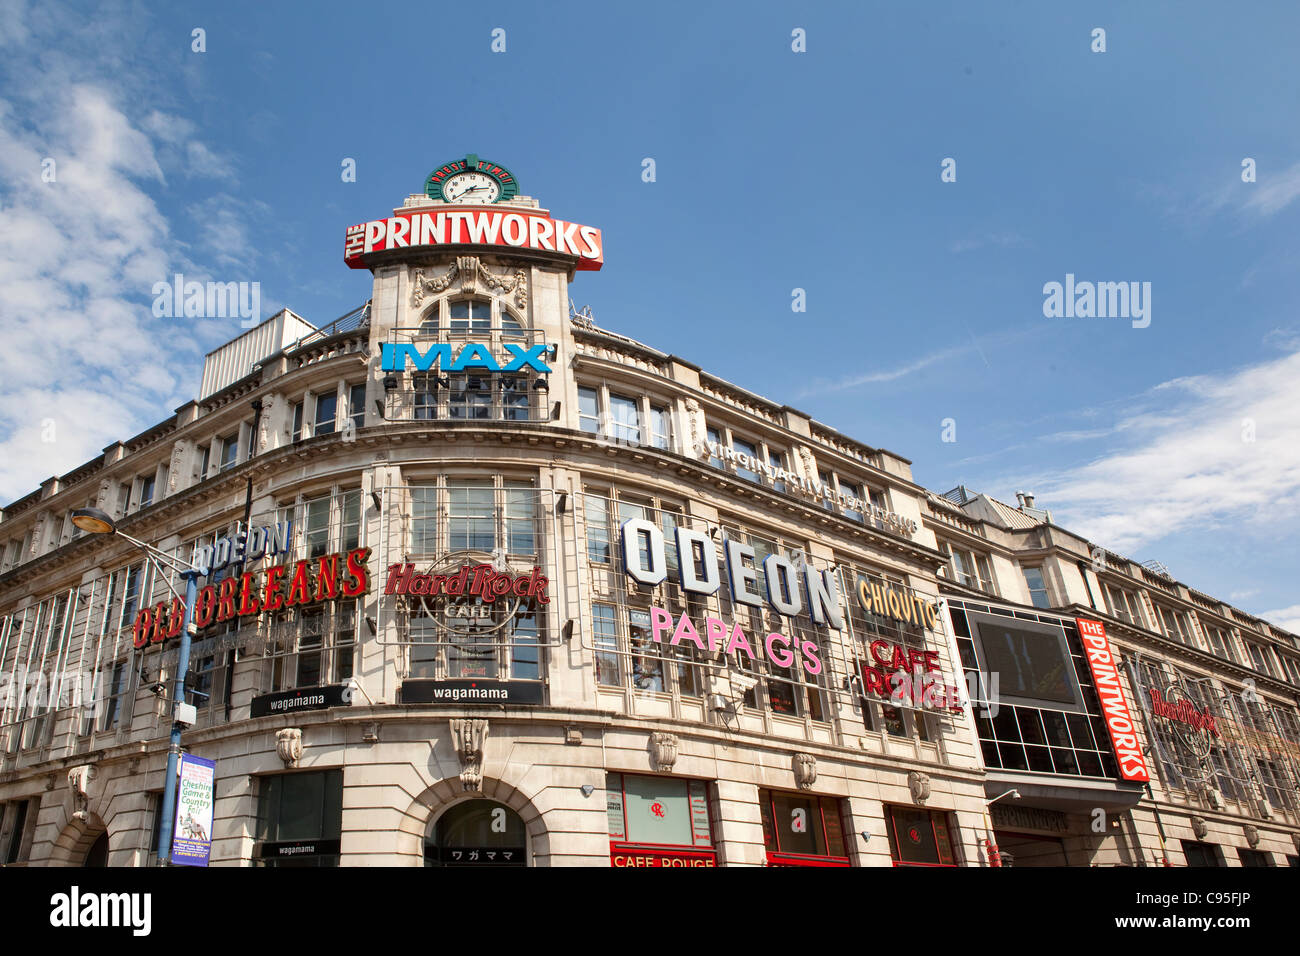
x=357, y=404
x=743, y=447
x=424, y=519
x=1259, y=658
x=299, y=811
x=850, y=492
x=918, y=837
x=470, y=397
x=297, y=421
x=625, y=419
x=521, y=518
x=146, y=491
x=661, y=812
x=350, y=505
x=326, y=408
x=777, y=461
x=588, y=410
x=1037, y=587
x=659, y=430
x=317, y=524
x=605, y=634
x=828, y=490
x=647, y=668
x=799, y=826
x=471, y=511
x=1202, y=854
x=205, y=461
x=715, y=440
x=596, y=515
x=229, y=451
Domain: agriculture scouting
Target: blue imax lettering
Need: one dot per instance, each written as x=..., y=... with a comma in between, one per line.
x=471, y=357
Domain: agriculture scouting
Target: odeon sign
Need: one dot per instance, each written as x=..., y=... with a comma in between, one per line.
x=790, y=591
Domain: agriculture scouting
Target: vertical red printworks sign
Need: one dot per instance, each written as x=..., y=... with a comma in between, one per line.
x=1114, y=705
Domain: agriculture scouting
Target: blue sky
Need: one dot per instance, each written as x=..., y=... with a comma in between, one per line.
x=775, y=170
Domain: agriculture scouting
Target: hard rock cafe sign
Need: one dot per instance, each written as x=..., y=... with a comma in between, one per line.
x=1192, y=727
x=467, y=593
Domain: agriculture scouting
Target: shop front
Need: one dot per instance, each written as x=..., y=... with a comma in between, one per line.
x=658, y=821
x=477, y=833
x=802, y=829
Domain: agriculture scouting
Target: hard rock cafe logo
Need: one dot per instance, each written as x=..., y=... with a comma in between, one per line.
x=1192, y=726
x=466, y=594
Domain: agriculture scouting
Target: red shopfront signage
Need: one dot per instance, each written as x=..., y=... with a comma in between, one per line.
x=798, y=859
x=520, y=229
x=473, y=580
x=629, y=854
x=1114, y=706
x=1183, y=711
x=309, y=582
x=909, y=677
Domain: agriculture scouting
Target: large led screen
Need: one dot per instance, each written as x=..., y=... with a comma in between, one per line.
x=1032, y=660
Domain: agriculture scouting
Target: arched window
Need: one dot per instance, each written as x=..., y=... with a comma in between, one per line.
x=476, y=833
x=471, y=315
x=430, y=324
x=510, y=326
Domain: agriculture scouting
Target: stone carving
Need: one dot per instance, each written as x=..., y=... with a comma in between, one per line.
x=469, y=737
x=700, y=448
x=809, y=469
x=663, y=751
x=805, y=770
x=470, y=271
x=1200, y=827
x=264, y=424
x=79, y=783
x=1252, y=835
x=288, y=745
x=178, y=457
x=919, y=784
x=101, y=500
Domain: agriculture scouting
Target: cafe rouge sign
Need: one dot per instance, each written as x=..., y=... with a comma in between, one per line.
x=303, y=584
x=907, y=676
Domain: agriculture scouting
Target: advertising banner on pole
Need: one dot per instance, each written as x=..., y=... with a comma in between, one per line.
x=192, y=833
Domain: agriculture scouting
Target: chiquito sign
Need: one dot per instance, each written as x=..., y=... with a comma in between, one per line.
x=790, y=591
x=303, y=584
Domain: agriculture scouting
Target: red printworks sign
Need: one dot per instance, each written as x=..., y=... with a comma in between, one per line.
x=1119, y=721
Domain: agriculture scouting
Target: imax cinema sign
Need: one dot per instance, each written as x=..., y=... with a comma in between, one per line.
x=470, y=358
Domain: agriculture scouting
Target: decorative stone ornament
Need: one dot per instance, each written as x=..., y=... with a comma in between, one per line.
x=79, y=784
x=805, y=770
x=1252, y=835
x=663, y=751
x=470, y=271
x=919, y=784
x=469, y=736
x=288, y=745
x=1200, y=827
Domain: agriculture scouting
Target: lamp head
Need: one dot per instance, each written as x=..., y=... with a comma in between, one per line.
x=93, y=521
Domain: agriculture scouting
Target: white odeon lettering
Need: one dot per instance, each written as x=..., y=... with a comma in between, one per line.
x=698, y=566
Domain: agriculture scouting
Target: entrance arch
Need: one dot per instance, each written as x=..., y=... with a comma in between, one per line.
x=97, y=855
x=476, y=832
x=78, y=839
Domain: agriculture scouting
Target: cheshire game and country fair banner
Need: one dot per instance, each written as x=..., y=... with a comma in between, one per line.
x=192, y=833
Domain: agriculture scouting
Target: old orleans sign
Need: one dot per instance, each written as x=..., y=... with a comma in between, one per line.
x=303, y=584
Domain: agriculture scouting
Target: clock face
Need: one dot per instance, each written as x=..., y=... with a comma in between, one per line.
x=471, y=187
x=471, y=180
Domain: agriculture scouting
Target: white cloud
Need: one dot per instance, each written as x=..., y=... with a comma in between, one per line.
x=1287, y=618
x=886, y=375
x=1272, y=194
x=79, y=255
x=1224, y=452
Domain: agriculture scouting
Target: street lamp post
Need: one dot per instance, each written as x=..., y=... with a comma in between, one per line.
x=97, y=522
